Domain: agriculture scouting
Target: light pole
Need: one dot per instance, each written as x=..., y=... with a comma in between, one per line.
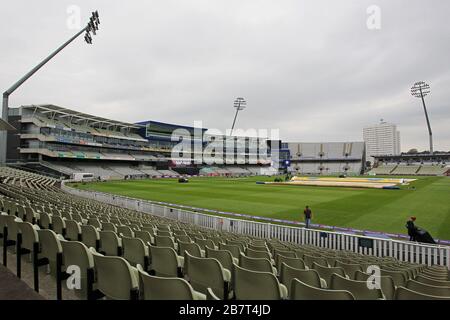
x=420, y=90
x=239, y=104
x=92, y=26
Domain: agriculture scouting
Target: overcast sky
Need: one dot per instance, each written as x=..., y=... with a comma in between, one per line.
x=312, y=69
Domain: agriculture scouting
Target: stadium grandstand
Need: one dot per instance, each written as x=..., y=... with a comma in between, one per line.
x=126, y=253
x=417, y=164
x=64, y=142
x=327, y=158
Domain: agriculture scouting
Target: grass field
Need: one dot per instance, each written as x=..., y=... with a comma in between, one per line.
x=371, y=209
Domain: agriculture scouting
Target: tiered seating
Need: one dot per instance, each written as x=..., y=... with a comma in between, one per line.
x=433, y=170
x=406, y=169
x=383, y=169
x=137, y=255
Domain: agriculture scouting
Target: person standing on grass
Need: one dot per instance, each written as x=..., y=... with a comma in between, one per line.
x=411, y=228
x=308, y=216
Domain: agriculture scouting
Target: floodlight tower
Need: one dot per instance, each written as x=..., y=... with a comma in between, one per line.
x=92, y=26
x=239, y=104
x=420, y=90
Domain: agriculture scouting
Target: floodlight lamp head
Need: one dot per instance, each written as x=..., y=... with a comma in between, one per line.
x=420, y=89
x=240, y=103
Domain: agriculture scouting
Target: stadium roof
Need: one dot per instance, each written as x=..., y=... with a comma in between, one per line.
x=75, y=115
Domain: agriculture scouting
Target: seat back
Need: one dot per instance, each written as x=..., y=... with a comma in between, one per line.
x=45, y=220
x=428, y=289
x=77, y=254
x=125, y=231
x=50, y=244
x=258, y=254
x=162, y=288
x=223, y=256
x=255, y=264
x=29, y=235
x=58, y=225
x=135, y=251
x=190, y=247
x=109, y=243
x=386, y=283
x=254, y=285
x=326, y=272
x=402, y=293
x=233, y=249
x=349, y=268
x=310, y=277
x=302, y=291
x=116, y=279
x=204, y=273
x=89, y=236
x=108, y=226
x=359, y=289
x=164, y=241
x=144, y=236
x=398, y=277
x=73, y=230
x=310, y=260
x=164, y=261
x=433, y=282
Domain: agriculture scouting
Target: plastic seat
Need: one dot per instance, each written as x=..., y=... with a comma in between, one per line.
x=386, y=283
x=110, y=243
x=402, y=293
x=223, y=256
x=326, y=272
x=108, y=226
x=76, y=253
x=204, y=273
x=359, y=289
x=310, y=259
x=398, y=277
x=45, y=220
x=310, y=277
x=254, y=285
x=349, y=268
x=162, y=288
x=260, y=254
x=59, y=225
x=256, y=264
x=296, y=263
x=192, y=248
x=73, y=230
x=144, y=236
x=166, y=262
x=50, y=254
x=125, y=231
x=302, y=291
x=116, y=278
x=233, y=249
x=428, y=289
x=164, y=241
x=135, y=251
x=433, y=282
x=90, y=236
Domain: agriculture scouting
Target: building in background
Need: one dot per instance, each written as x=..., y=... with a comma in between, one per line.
x=381, y=139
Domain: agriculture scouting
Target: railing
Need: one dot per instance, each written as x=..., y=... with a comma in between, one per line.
x=401, y=250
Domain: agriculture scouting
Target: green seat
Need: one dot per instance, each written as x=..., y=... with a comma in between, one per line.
x=398, y=277
x=359, y=289
x=110, y=243
x=165, y=262
x=162, y=288
x=302, y=291
x=326, y=272
x=402, y=293
x=428, y=289
x=116, y=278
x=349, y=268
x=433, y=282
x=223, y=256
x=204, y=273
x=254, y=285
x=135, y=251
x=386, y=283
x=73, y=230
x=90, y=236
x=76, y=253
x=256, y=264
x=310, y=277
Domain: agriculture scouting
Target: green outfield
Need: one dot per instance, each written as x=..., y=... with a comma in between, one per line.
x=371, y=209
